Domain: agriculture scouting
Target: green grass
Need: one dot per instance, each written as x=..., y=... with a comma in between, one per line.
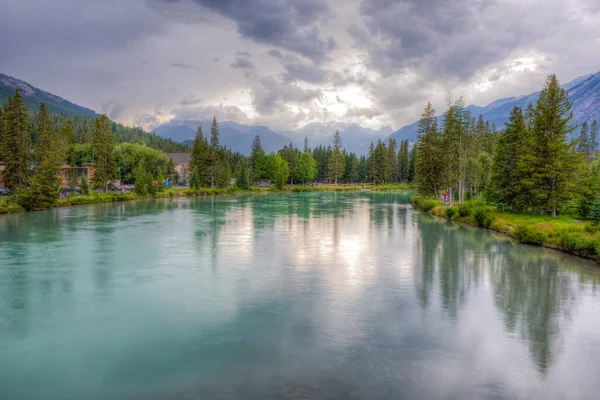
x=8, y=205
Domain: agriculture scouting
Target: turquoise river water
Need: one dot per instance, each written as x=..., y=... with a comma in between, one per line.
x=304, y=296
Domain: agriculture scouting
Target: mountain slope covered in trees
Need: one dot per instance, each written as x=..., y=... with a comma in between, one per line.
x=32, y=97
x=584, y=94
x=81, y=119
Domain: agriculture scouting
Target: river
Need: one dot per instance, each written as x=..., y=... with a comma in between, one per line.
x=303, y=296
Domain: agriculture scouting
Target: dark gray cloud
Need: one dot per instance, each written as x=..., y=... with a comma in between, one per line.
x=292, y=25
x=297, y=70
x=183, y=66
x=243, y=54
x=190, y=100
x=72, y=27
x=269, y=95
x=361, y=112
x=242, y=63
x=446, y=40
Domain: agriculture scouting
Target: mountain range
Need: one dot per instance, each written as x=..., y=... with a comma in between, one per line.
x=584, y=93
x=234, y=136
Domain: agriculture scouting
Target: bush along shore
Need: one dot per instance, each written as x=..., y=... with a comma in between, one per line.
x=564, y=233
x=10, y=205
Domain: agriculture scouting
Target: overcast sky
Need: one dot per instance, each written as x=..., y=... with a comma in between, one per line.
x=284, y=63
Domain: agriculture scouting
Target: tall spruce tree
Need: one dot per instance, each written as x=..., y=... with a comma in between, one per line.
x=102, y=145
x=336, y=162
x=381, y=165
x=17, y=143
x=393, y=160
x=593, y=139
x=411, y=164
x=351, y=172
x=243, y=175
x=554, y=173
x=506, y=186
x=258, y=161
x=49, y=152
x=583, y=144
x=214, y=153
x=403, y=161
x=200, y=161
x=429, y=160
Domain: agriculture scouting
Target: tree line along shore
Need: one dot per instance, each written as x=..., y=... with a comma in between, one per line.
x=529, y=180
x=34, y=147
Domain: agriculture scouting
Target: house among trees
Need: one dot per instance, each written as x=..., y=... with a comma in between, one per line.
x=181, y=163
x=87, y=172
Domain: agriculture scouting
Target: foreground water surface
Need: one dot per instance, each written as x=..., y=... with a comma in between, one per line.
x=308, y=296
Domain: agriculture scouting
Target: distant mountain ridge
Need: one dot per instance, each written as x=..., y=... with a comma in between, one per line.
x=584, y=94
x=232, y=135
x=32, y=97
x=355, y=138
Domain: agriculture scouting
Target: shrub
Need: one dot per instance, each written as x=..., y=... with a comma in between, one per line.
x=526, y=234
x=464, y=210
x=482, y=216
x=578, y=242
x=450, y=211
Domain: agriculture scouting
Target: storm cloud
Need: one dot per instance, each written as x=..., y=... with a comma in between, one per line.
x=286, y=63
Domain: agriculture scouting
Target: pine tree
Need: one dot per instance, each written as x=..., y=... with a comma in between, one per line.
x=363, y=169
x=67, y=134
x=411, y=164
x=102, y=145
x=306, y=149
x=336, y=162
x=583, y=145
x=200, y=161
x=141, y=181
x=593, y=139
x=17, y=143
x=429, y=155
x=351, y=171
x=243, y=176
x=381, y=165
x=554, y=173
x=49, y=151
x=392, y=160
x=257, y=161
x=506, y=186
x=290, y=155
x=371, y=161
x=215, y=149
x=403, y=161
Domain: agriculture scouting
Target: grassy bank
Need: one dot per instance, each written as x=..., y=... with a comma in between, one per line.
x=564, y=233
x=9, y=205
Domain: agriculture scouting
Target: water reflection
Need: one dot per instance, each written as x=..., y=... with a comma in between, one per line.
x=298, y=296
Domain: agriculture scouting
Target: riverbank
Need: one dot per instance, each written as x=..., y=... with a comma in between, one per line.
x=581, y=238
x=9, y=205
